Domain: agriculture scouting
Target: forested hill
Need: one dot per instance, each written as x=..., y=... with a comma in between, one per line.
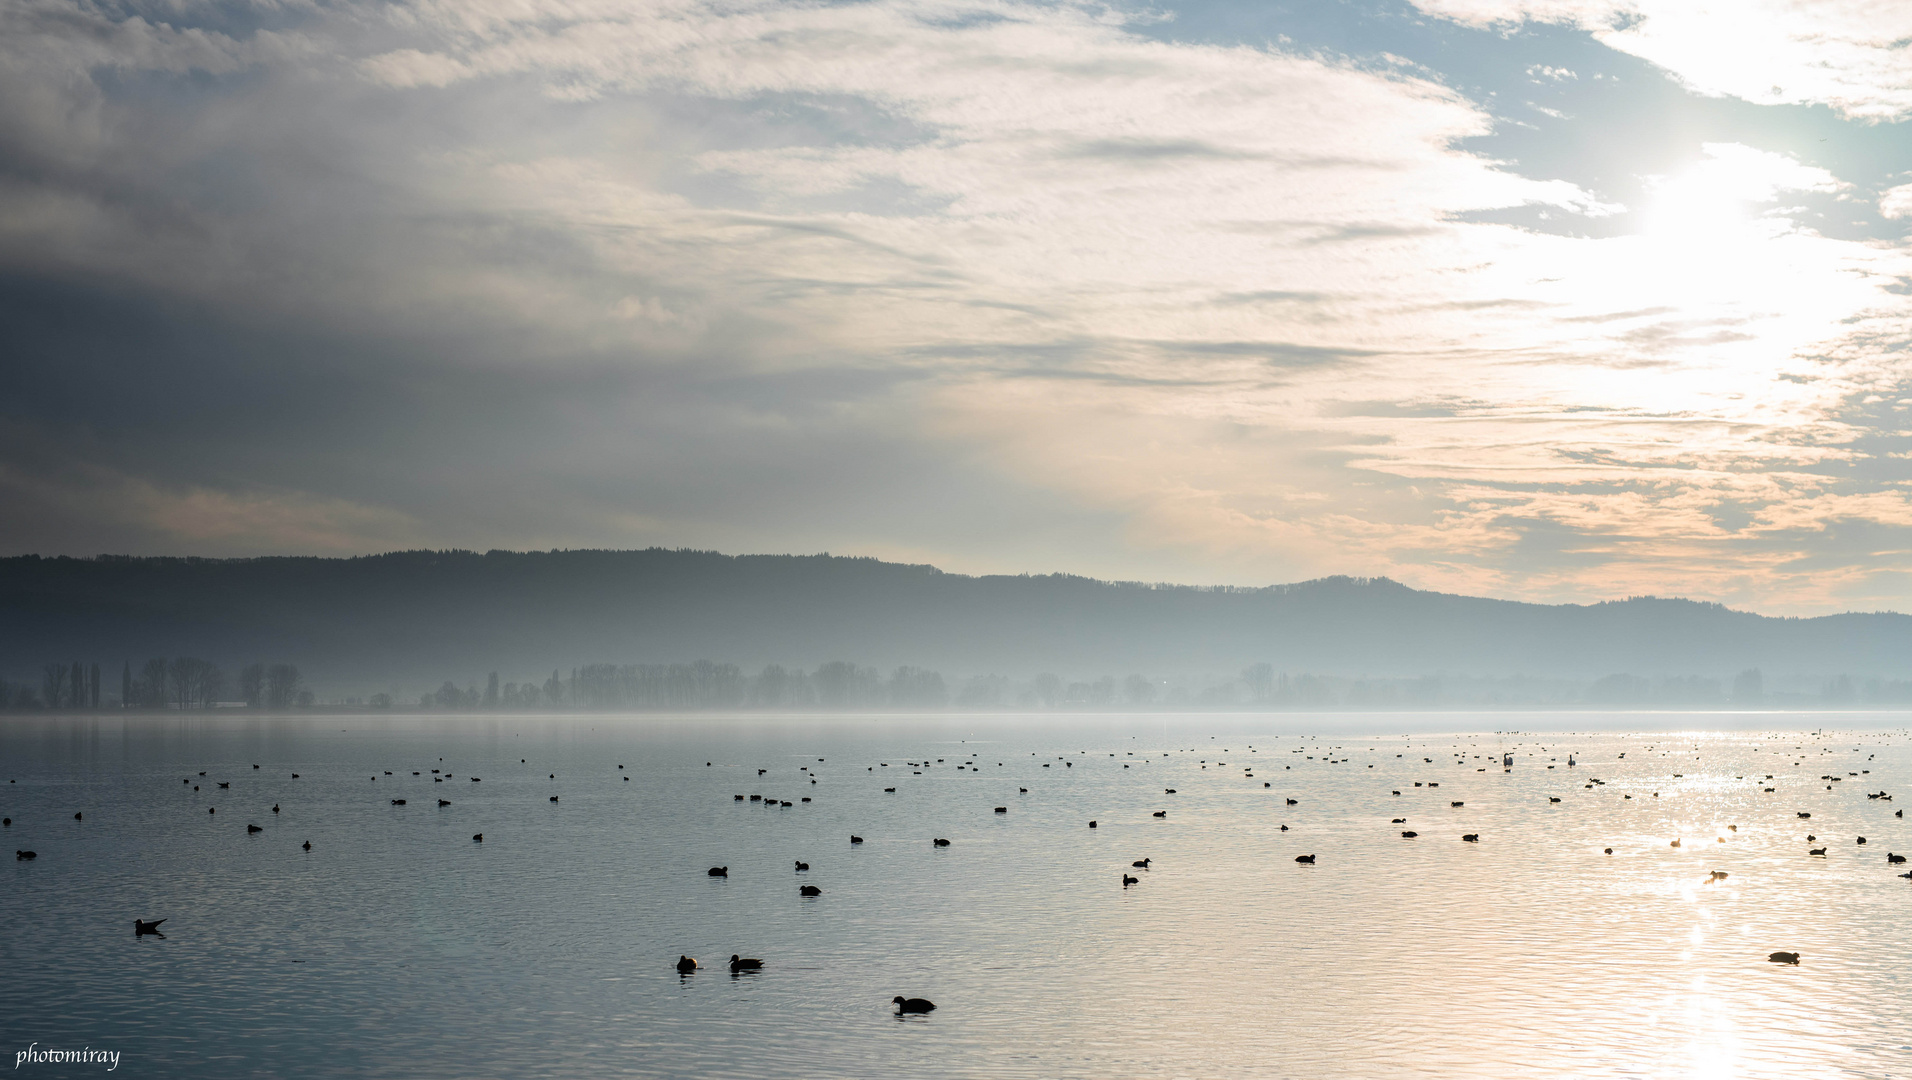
x=416, y=617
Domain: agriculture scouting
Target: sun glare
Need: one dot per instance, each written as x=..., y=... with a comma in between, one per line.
x=1696, y=208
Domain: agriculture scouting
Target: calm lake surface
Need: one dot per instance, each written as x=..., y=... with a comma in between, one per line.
x=398, y=947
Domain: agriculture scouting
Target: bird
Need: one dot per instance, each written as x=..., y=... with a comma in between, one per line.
x=912, y=1005
x=1609, y=851
x=1168, y=791
x=1894, y=859
x=1002, y=809
x=1803, y=814
x=254, y=829
x=1861, y=840
x=1408, y=834
x=1472, y=838
x=141, y=926
x=720, y=871
x=739, y=963
x=275, y=808
x=554, y=798
x=212, y=809
x=308, y=844
x=477, y=838
x=809, y=890
x=1128, y=881
x=398, y=802
x=1551, y=799
x=77, y=817
x=1294, y=802
x=1816, y=851
x=685, y=965
x=1309, y=859
x=1143, y=863
x=1717, y=875
x=1161, y=813
x=939, y=842
x=444, y=802
x=856, y=839
x=1457, y=804
x=1400, y=821
x=1784, y=957
x=1091, y=824
x=23, y=856
x=802, y=866
x=224, y=784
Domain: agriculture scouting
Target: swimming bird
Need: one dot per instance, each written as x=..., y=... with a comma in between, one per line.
x=1294, y=802
x=1803, y=814
x=1409, y=835
x=1894, y=859
x=1399, y=821
x=1002, y=809
x=1816, y=851
x=225, y=785
x=1091, y=824
x=1784, y=957
x=1168, y=791
x=1457, y=804
x=1861, y=840
x=1161, y=813
x=478, y=838
x=1309, y=859
x=554, y=798
x=802, y=866
x=1472, y=838
x=308, y=844
x=275, y=808
x=720, y=871
x=141, y=926
x=809, y=890
x=740, y=963
x=444, y=802
x=254, y=829
x=1717, y=875
x=939, y=842
x=1552, y=799
x=1128, y=881
x=1609, y=851
x=23, y=856
x=912, y=1005
x=856, y=839
x=685, y=965
x=1143, y=863
x=76, y=817
x=398, y=802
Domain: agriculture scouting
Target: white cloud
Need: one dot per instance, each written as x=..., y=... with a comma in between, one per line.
x=1896, y=202
x=1849, y=54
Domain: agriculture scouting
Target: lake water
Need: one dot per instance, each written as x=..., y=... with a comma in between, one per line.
x=399, y=947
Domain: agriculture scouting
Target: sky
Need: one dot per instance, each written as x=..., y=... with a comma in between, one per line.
x=1555, y=300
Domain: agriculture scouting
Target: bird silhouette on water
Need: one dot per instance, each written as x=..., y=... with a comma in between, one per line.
x=1143, y=863
x=1128, y=881
x=1784, y=957
x=939, y=842
x=856, y=839
x=913, y=1005
x=809, y=890
x=720, y=871
x=24, y=856
x=802, y=866
x=308, y=845
x=254, y=829
x=1309, y=859
x=141, y=926
x=742, y=963
x=685, y=965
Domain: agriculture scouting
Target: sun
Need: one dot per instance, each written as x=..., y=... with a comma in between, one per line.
x=1698, y=206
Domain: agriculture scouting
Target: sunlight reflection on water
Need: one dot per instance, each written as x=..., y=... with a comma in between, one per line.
x=399, y=947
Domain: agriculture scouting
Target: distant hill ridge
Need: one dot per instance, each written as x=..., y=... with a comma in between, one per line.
x=413, y=616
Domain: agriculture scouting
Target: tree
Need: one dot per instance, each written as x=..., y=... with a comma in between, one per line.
x=152, y=684
x=252, y=684
x=554, y=689
x=1260, y=680
x=282, y=686
x=93, y=686
x=1140, y=691
x=53, y=684
x=918, y=687
x=491, y=692
x=1048, y=689
x=126, y=685
x=76, y=689
x=1749, y=687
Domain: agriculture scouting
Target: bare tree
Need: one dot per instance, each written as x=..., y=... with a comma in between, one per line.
x=282, y=686
x=252, y=684
x=53, y=684
x=152, y=683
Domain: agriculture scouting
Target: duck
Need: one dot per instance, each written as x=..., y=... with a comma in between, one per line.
x=802, y=866
x=1309, y=859
x=1609, y=851
x=141, y=926
x=1161, y=813
x=809, y=890
x=1816, y=851
x=1128, y=881
x=24, y=856
x=1472, y=838
x=912, y=1005
x=1783, y=957
x=224, y=784
x=741, y=963
x=275, y=808
x=1717, y=875
x=1144, y=863
x=719, y=871
x=685, y=965
x=854, y=839
x=444, y=802
x=398, y=802
x=254, y=829
x=478, y=838
x=1408, y=834
x=1399, y=821
x=1892, y=859
x=939, y=842
x=1861, y=840
x=1002, y=809
x=308, y=844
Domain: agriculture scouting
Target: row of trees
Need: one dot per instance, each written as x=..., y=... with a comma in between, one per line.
x=704, y=684
x=179, y=682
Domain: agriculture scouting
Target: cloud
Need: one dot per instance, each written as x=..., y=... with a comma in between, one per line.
x=1848, y=54
x=999, y=285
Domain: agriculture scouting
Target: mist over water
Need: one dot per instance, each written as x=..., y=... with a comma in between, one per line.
x=399, y=947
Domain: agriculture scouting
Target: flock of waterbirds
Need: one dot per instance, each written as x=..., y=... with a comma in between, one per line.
x=740, y=965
